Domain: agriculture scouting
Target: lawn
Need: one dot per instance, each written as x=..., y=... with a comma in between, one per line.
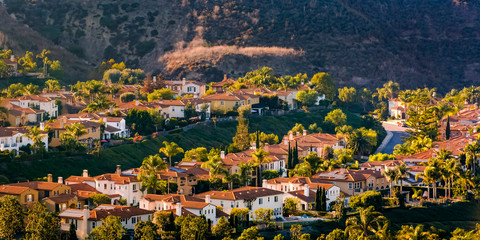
x=131, y=155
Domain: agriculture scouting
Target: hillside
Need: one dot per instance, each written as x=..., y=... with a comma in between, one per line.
x=432, y=42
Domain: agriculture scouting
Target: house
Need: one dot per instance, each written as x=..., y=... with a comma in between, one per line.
x=83, y=191
x=381, y=165
x=462, y=124
x=114, y=126
x=12, y=63
x=186, y=87
x=252, y=198
x=61, y=202
x=13, y=138
x=305, y=197
x=296, y=184
x=354, y=182
x=59, y=126
x=18, y=116
x=25, y=195
x=201, y=106
x=86, y=220
x=116, y=185
x=66, y=101
x=172, y=108
x=196, y=206
x=229, y=101
x=38, y=102
x=396, y=108
x=46, y=189
x=219, y=87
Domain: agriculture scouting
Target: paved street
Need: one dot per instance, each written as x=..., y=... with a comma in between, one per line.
x=398, y=133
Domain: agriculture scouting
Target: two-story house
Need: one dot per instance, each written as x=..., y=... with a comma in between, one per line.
x=58, y=127
x=13, y=138
x=85, y=220
x=228, y=101
x=194, y=205
x=172, y=108
x=46, y=104
x=219, y=87
x=354, y=182
x=186, y=87
x=25, y=195
x=252, y=198
x=127, y=186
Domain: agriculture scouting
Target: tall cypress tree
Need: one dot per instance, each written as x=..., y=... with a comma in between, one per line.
x=295, y=155
x=317, y=199
x=290, y=157
x=324, y=199
x=447, y=129
x=257, y=140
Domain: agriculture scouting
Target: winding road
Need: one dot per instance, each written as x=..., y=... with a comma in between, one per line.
x=397, y=134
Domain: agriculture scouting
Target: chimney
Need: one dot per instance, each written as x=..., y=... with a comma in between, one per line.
x=265, y=147
x=290, y=135
x=119, y=170
x=285, y=140
x=303, y=82
x=222, y=154
x=12, y=58
x=84, y=227
x=105, y=120
x=154, y=79
x=111, y=109
x=306, y=191
x=224, y=77
x=179, y=209
x=60, y=180
x=184, y=81
x=85, y=173
x=264, y=183
x=304, y=132
x=298, y=134
x=137, y=102
x=49, y=177
x=42, y=126
x=254, y=145
x=62, y=122
x=207, y=198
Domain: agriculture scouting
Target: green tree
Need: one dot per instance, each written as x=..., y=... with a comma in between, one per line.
x=241, y=139
x=301, y=170
x=111, y=229
x=199, y=154
x=127, y=97
x=365, y=97
x=296, y=232
x=347, y=95
x=307, y=98
x=323, y=84
x=259, y=158
x=52, y=85
x=336, y=118
x=367, y=223
x=290, y=206
x=391, y=176
x=279, y=237
x=98, y=104
x=336, y=234
x=146, y=231
x=367, y=199
x=409, y=232
x=390, y=90
x=314, y=128
x=297, y=128
x=27, y=63
x=72, y=233
x=35, y=135
x=263, y=216
x=11, y=217
x=162, y=94
x=56, y=69
x=339, y=208
x=447, y=129
x=5, y=70
x=41, y=224
x=148, y=172
x=251, y=234
x=98, y=199
x=44, y=56
x=270, y=174
x=192, y=227
x=402, y=174
x=189, y=110
x=30, y=89
x=171, y=149
x=222, y=228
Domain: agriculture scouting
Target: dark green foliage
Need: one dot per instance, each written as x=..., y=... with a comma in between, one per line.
x=145, y=47
x=366, y=199
x=447, y=129
x=140, y=121
x=72, y=234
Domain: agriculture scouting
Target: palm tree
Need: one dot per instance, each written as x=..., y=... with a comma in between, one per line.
x=448, y=171
x=259, y=157
x=369, y=221
x=245, y=172
x=35, y=134
x=215, y=165
x=409, y=232
x=430, y=176
x=391, y=176
x=148, y=172
x=98, y=104
x=52, y=85
x=30, y=89
x=43, y=56
x=402, y=173
x=171, y=149
x=75, y=130
x=472, y=152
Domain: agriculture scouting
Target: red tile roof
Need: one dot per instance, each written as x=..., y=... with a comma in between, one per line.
x=243, y=193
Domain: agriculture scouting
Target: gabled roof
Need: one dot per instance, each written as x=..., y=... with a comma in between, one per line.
x=66, y=122
x=12, y=190
x=104, y=210
x=300, y=195
x=79, y=179
x=243, y=193
x=386, y=163
x=347, y=175
x=38, y=185
x=10, y=131
x=118, y=179
x=62, y=198
x=186, y=201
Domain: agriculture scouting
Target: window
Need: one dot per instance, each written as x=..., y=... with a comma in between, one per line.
x=134, y=220
x=268, y=199
x=260, y=201
x=29, y=198
x=221, y=103
x=104, y=186
x=275, y=199
x=221, y=203
x=173, y=109
x=349, y=185
x=248, y=101
x=94, y=130
x=134, y=187
x=93, y=224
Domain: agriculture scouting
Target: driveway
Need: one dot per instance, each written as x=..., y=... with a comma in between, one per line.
x=397, y=134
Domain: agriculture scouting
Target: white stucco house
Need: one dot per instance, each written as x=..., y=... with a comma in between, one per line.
x=13, y=138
